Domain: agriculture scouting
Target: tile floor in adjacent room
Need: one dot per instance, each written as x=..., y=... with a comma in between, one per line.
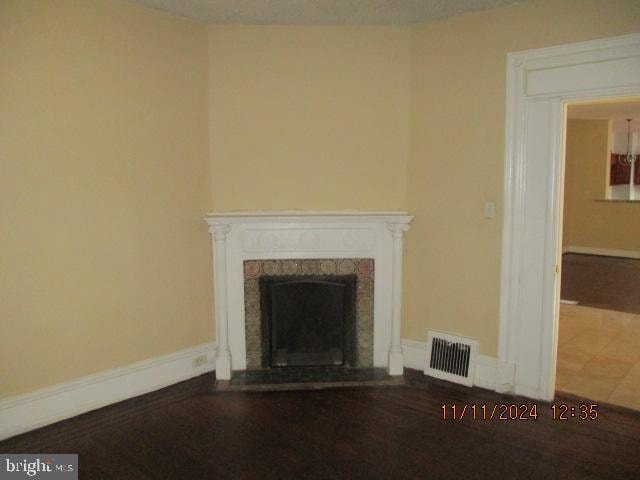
x=599, y=355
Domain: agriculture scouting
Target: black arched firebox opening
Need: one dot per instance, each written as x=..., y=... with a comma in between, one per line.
x=308, y=321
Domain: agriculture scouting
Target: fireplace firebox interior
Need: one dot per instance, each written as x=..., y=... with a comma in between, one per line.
x=308, y=320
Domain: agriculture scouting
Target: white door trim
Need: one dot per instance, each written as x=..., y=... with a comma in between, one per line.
x=539, y=85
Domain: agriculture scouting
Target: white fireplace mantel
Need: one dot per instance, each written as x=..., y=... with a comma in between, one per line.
x=240, y=236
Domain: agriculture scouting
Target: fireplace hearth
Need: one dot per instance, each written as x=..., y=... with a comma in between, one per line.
x=308, y=378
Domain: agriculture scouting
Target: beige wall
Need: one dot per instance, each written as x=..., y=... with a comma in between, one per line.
x=456, y=158
x=588, y=222
x=106, y=171
x=104, y=256
x=309, y=117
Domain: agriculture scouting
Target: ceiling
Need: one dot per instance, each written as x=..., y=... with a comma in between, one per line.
x=612, y=110
x=321, y=12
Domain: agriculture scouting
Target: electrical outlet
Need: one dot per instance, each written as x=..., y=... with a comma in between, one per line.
x=199, y=361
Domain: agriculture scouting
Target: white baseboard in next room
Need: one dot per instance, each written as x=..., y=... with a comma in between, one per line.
x=605, y=252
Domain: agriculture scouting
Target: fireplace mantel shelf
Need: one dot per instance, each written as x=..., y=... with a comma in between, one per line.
x=239, y=236
x=231, y=217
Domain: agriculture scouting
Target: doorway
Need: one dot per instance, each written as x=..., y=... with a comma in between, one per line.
x=598, y=356
x=540, y=84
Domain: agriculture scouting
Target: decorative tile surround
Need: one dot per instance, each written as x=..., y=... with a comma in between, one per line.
x=363, y=268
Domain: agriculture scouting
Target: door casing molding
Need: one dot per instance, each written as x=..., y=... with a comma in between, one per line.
x=540, y=83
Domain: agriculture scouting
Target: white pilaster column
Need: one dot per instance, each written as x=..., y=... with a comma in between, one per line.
x=396, y=361
x=223, y=355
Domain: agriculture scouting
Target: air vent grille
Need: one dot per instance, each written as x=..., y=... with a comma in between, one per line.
x=451, y=357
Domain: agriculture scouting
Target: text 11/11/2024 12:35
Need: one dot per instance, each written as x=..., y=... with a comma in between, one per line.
x=505, y=411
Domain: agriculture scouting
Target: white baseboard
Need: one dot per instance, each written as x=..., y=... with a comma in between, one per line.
x=486, y=368
x=26, y=412
x=23, y=413
x=606, y=252
x=415, y=356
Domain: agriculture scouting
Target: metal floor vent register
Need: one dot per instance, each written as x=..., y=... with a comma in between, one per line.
x=451, y=357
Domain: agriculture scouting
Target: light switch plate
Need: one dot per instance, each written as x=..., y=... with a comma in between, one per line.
x=489, y=209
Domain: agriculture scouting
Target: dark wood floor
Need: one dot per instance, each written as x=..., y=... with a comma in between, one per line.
x=601, y=282
x=186, y=431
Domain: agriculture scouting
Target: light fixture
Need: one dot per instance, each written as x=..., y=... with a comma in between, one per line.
x=627, y=159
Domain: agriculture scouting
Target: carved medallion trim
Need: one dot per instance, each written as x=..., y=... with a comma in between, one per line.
x=308, y=240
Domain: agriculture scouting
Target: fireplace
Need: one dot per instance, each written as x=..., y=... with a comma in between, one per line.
x=315, y=253
x=308, y=321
